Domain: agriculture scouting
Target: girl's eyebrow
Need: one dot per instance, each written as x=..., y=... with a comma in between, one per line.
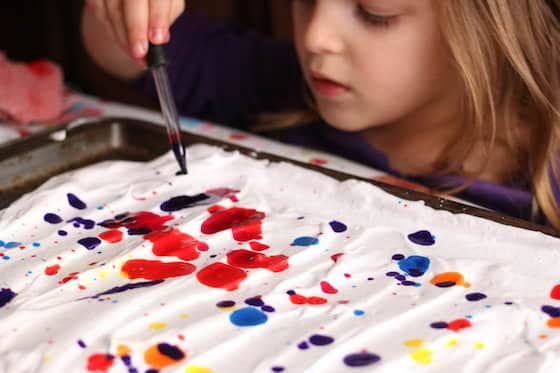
x=400, y=6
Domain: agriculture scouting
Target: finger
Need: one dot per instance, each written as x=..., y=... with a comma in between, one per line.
x=177, y=7
x=136, y=25
x=160, y=11
x=98, y=8
x=115, y=15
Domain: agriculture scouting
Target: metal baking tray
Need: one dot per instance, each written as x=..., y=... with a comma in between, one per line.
x=25, y=164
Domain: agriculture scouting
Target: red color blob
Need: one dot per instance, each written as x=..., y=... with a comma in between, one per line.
x=458, y=324
x=141, y=220
x=300, y=300
x=52, y=270
x=244, y=223
x=174, y=243
x=328, y=288
x=335, y=257
x=111, y=236
x=100, y=362
x=555, y=292
x=250, y=259
x=155, y=270
x=257, y=246
x=69, y=277
x=220, y=275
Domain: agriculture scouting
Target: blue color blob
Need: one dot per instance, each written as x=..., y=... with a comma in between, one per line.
x=36, y=244
x=90, y=243
x=52, y=218
x=361, y=359
x=305, y=241
x=475, y=297
x=359, y=312
x=338, y=227
x=320, y=340
x=6, y=296
x=414, y=265
x=424, y=238
x=12, y=245
x=248, y=316
x=1, y=243
x=75, y=202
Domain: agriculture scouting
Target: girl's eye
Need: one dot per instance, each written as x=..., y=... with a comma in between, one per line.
x=375, y=19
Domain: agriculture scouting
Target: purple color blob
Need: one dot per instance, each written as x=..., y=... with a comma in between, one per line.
x=439, y=325
x=62, y=233
x=338, y=227
x=392, y=274
x=551, y=311
x=277, y=369
x=255, y=301
x=170, y=351
x=183, y=202
x=424, y=238
x=75, y=202
x=266, y=308
x=81, y=343
x=397, y=257
x=225, y=304
x=52, y=218
x=475, y=297
x=303, y=346
x=361, y=359
x=320, y=340
x=6, y=296
x=89, y=243
x=86, y=223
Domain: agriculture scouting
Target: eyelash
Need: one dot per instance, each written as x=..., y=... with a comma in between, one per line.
x=374, y=19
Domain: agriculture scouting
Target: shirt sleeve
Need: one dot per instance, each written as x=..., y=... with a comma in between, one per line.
x=222, y=73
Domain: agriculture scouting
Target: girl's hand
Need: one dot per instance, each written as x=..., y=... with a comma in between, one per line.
x=132, y=23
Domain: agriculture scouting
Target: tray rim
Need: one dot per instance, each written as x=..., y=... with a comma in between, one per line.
x=22, y=146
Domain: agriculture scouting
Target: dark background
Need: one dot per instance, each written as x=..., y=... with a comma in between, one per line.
x=35, y=29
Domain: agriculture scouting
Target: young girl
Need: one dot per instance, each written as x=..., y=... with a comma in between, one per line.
x=456, y=94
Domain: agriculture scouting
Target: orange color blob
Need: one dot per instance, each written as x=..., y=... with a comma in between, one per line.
x=155, y=270
x=220, y=275
x=553, y=322
x=52, y=270
x=111, y=236
x=163, y=355
x=449, y=279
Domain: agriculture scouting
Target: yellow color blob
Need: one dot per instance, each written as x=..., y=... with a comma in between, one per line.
x=413, y=343
x=452, y=342
x=102, y=275
x=448, y=279
x=479, y=345
x=158, y=325
x=197, y=369
x=422, y=355
x=184, y=316
x=123, y=350
x=47, y=358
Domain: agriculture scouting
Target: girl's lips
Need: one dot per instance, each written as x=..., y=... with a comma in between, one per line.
x=328, y=88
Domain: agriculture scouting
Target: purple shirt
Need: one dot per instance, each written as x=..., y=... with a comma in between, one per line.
x=222, y=73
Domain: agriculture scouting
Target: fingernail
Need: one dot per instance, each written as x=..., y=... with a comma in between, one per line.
x=157, y=35
x=139, y=49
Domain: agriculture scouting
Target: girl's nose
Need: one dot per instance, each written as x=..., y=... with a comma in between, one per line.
x=323, y=32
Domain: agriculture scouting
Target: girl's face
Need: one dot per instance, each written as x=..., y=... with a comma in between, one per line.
x=373, y=62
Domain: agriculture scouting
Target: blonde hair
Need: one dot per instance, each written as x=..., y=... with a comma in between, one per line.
x=507, y=53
